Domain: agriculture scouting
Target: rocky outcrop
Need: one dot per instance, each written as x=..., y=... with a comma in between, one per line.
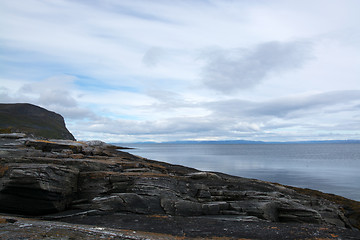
x=39, y=177
x=37, y=188
x=32, y=120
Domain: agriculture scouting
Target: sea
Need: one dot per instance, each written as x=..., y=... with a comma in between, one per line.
x=327, y=167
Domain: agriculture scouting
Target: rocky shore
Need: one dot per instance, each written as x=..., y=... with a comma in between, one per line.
x=63, y=187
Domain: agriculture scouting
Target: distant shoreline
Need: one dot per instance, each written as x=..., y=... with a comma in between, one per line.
x=245, y=142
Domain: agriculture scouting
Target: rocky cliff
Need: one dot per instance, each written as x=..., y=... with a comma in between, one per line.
x=32, y=120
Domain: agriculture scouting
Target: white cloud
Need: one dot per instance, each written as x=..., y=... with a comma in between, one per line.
x=56, y=94
x=131, y=69
x=231, y=70
x=153, y=56
x=287, y=106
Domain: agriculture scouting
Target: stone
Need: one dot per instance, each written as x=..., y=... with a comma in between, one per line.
x=134, y=203
x=37, y=188
x=12, y=135
x=92, y=184
x=168, y=205
x=188, y=208
x=109, y=203
x=304, y=215
x=202, y=175
x=55, y=146
x=210, y=209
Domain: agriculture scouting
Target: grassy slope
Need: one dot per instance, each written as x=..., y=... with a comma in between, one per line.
x=34, y=120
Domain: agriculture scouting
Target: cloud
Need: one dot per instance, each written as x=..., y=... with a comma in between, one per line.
x=139, y=77
x=321, y=102
x=55, y=94
x=231, y=70
x=294, y=117
x=285, y=107
x=168, y=100
x=153, y=56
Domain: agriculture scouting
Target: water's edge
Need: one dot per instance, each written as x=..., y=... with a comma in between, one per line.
x=331, y=168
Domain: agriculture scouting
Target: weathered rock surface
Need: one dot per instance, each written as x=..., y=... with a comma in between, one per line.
x=93, y=178
x=37, y=188
x=155, y=227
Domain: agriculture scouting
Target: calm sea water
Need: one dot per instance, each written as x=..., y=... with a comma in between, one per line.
x=332, y=168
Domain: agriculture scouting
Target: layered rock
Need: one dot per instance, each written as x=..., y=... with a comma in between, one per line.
x=38, y=177
x=37, y=188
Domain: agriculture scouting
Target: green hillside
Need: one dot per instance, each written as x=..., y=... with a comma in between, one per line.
x=33, y=120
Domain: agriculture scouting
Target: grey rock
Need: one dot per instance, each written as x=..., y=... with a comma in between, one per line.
x=37, y=188
x=93, y=184
x=168, y=205
x=202, y=175
x=134, y=203
x=188, y=208
x=12, y=135
x=304, y=215
x=109, y=203
x=55, y=146
x=96, y=143
x=211, y=209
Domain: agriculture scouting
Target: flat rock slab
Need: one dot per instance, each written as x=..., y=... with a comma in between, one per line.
x=163, y=228
x=20, y=228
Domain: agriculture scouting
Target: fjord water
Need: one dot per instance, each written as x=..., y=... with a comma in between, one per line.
x=332, y=168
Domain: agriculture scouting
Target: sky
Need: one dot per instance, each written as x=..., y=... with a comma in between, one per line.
x=136, y=70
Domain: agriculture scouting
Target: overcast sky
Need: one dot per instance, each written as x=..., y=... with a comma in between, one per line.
x=138, y=70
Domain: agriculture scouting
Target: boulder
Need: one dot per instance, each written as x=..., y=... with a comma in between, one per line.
x=55, y=146
x=12, y=135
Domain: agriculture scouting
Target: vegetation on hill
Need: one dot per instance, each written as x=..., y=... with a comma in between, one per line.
x=33, y=120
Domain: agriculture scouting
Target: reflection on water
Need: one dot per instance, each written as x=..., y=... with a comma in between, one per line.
x=333, y=168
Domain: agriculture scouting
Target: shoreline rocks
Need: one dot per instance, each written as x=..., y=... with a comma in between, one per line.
x=40, y=177
x=154, y=227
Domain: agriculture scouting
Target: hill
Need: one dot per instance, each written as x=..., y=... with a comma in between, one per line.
x=32, y=120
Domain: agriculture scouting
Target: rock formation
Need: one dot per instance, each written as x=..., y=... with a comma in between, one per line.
x=32, y=120
x=40, y=176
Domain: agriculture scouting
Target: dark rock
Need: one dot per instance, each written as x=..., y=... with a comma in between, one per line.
x=90, y=225
x=12, y=135
x=203, y=175
x=36, y=188
x=39, y=176
x=188, y=208
x=66, y=147
x=211, y=209
x=92, y=184
x=299, y=215
x=128, y=202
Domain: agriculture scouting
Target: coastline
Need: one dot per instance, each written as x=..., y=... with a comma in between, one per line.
x=330, y=168
x=112, y=185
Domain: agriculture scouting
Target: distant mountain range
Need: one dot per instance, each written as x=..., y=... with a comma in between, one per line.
x=252, y=142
